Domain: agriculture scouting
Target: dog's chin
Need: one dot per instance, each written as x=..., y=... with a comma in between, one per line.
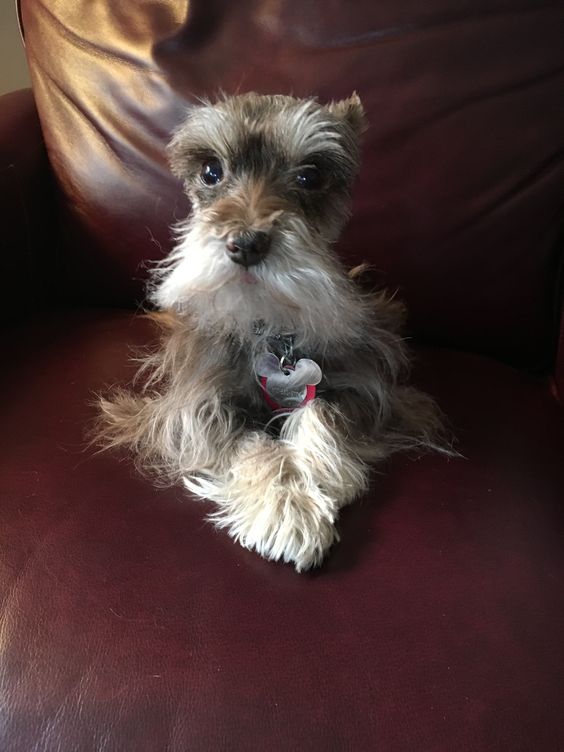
x=302, y=292
x=237, y=297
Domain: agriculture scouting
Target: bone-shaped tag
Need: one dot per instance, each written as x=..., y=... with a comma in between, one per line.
x=287, y=386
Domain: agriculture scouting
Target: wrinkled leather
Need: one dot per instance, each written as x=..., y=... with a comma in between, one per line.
x=128, y=623
x=459, y=202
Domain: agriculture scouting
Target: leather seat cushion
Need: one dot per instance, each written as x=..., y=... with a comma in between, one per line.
x=128, y=622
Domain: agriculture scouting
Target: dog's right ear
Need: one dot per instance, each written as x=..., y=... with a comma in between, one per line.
x=350, y=111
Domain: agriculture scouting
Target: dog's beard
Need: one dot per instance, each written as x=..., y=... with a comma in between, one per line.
x=300, y=286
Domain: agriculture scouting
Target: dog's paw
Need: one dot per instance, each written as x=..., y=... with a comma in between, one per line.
x=291, y=527
x=269, y=504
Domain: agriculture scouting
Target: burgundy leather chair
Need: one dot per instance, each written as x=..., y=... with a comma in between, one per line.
x=127, y=622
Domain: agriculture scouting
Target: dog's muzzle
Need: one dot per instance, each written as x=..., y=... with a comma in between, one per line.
x=248, y=248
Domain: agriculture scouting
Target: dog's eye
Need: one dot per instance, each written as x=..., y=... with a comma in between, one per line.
x=309, y=177
x=212, y=172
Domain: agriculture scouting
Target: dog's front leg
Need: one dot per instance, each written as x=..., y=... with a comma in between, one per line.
x=281, y=497
x=176, y=433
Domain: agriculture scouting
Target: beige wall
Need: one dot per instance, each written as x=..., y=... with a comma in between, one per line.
x=13, y=68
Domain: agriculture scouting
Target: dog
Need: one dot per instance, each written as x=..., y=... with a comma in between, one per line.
x=278, y=381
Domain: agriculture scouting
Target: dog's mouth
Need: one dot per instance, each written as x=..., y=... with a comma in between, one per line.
x=247, y=277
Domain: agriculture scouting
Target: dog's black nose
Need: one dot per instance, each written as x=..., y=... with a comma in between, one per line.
x=248, y=248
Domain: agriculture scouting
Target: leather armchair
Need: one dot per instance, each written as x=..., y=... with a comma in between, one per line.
x=127, y=622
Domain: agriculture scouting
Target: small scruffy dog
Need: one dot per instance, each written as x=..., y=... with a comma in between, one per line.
x=277, y=380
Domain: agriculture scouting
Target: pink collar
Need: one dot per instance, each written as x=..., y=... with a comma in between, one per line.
x=311, y=391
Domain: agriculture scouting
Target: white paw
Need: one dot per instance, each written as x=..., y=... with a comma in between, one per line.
x=293, y=527
x=270, y=505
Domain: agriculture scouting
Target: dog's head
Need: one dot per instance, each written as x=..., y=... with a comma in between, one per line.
x=269, y=178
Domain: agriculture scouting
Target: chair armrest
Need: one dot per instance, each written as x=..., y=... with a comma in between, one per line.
x=29, y=223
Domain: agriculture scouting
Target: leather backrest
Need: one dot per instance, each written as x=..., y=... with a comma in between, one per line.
x=460, y=199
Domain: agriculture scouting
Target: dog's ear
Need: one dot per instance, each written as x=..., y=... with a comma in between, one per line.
x=350, y=111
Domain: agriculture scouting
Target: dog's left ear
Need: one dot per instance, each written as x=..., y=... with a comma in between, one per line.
x=350, y=111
